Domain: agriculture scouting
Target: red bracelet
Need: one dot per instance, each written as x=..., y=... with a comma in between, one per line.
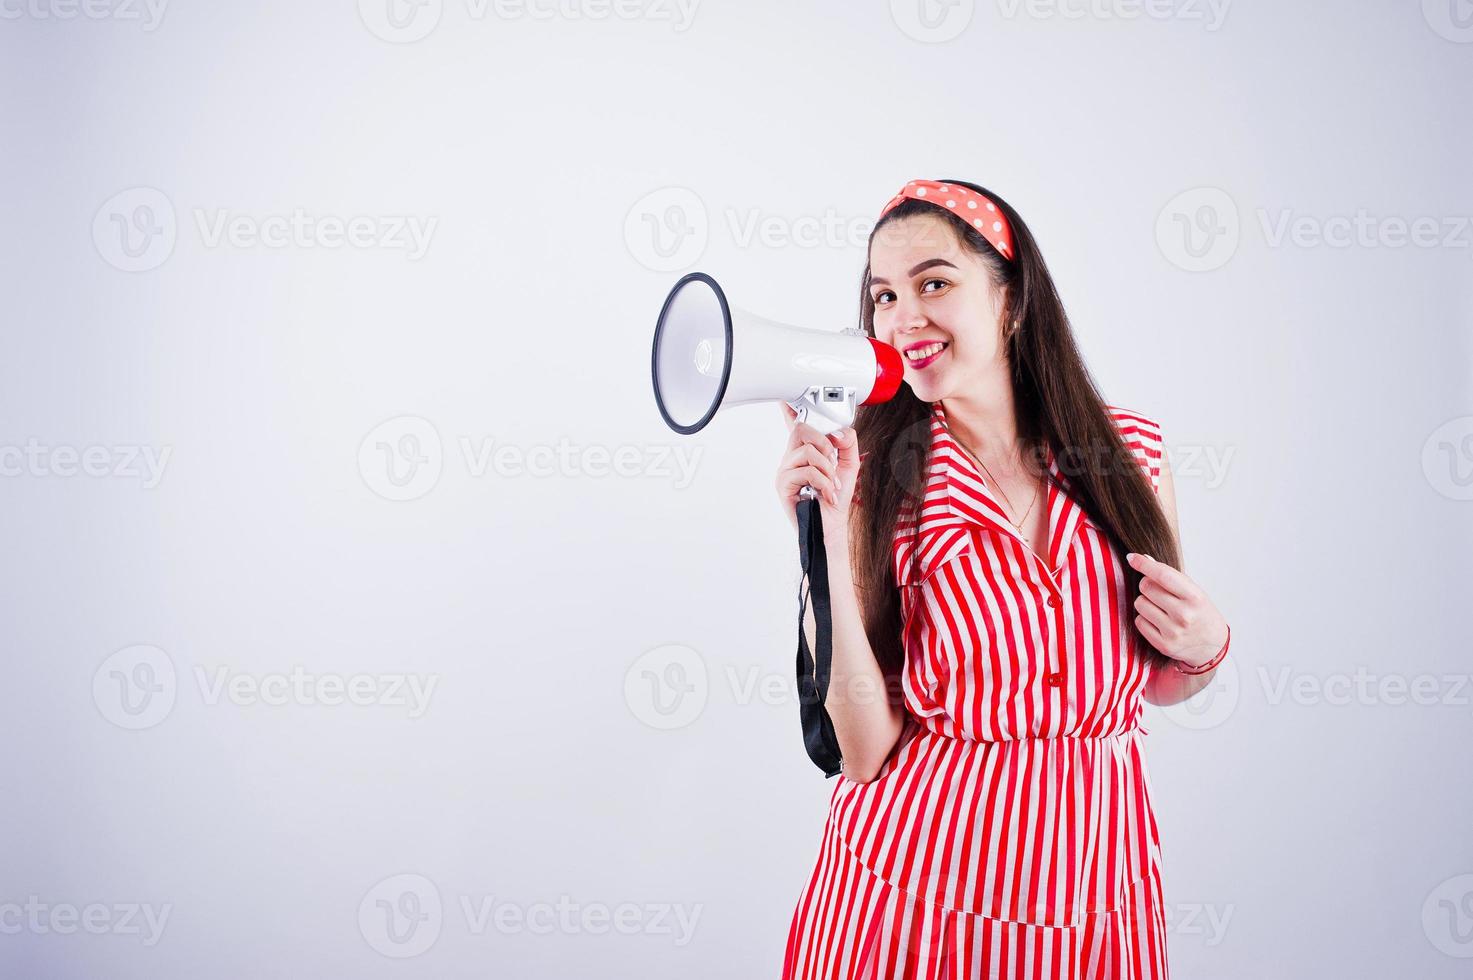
x=1204, y=668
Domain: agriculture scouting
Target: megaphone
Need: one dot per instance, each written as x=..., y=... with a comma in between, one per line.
x=709, y=355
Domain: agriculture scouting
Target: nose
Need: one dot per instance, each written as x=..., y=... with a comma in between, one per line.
x=902, y=320
x=909, y=316
x=910, y=322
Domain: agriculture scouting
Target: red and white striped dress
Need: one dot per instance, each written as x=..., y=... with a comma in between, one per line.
x=1011, y=832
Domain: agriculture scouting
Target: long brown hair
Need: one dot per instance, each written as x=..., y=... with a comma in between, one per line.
x=1056, y=405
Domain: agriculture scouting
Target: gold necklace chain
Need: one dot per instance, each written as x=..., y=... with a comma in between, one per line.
x=1011, y=509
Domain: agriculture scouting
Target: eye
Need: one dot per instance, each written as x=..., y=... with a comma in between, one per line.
x=879, y=297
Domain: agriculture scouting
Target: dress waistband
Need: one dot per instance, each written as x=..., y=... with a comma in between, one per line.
x=1112, y=736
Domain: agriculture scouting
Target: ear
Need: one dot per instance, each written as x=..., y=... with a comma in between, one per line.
x=1002, y=308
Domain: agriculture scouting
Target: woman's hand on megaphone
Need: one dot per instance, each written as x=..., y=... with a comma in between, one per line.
x=828, y=463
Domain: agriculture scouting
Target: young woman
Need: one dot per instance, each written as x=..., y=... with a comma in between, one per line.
x=1006, y=592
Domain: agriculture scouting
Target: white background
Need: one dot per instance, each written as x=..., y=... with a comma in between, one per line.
x=1305, y=832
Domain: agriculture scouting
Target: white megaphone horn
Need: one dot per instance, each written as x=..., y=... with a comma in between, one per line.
x=709, y=355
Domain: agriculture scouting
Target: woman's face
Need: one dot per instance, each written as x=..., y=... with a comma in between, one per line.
x=935, y=303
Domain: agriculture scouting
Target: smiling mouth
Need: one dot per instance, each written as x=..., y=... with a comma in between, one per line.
x=921, y=356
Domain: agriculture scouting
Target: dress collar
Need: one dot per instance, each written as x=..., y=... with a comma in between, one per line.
x=955, y=487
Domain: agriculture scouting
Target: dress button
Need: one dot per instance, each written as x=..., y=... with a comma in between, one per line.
x=1054, y=679
x=1054, y=601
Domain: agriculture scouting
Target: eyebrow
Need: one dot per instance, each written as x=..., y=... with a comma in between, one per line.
x=915, y=269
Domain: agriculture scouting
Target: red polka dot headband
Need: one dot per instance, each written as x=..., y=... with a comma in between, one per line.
x=972, y=207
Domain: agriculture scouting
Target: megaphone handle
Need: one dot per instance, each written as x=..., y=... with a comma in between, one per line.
x=801, y=408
